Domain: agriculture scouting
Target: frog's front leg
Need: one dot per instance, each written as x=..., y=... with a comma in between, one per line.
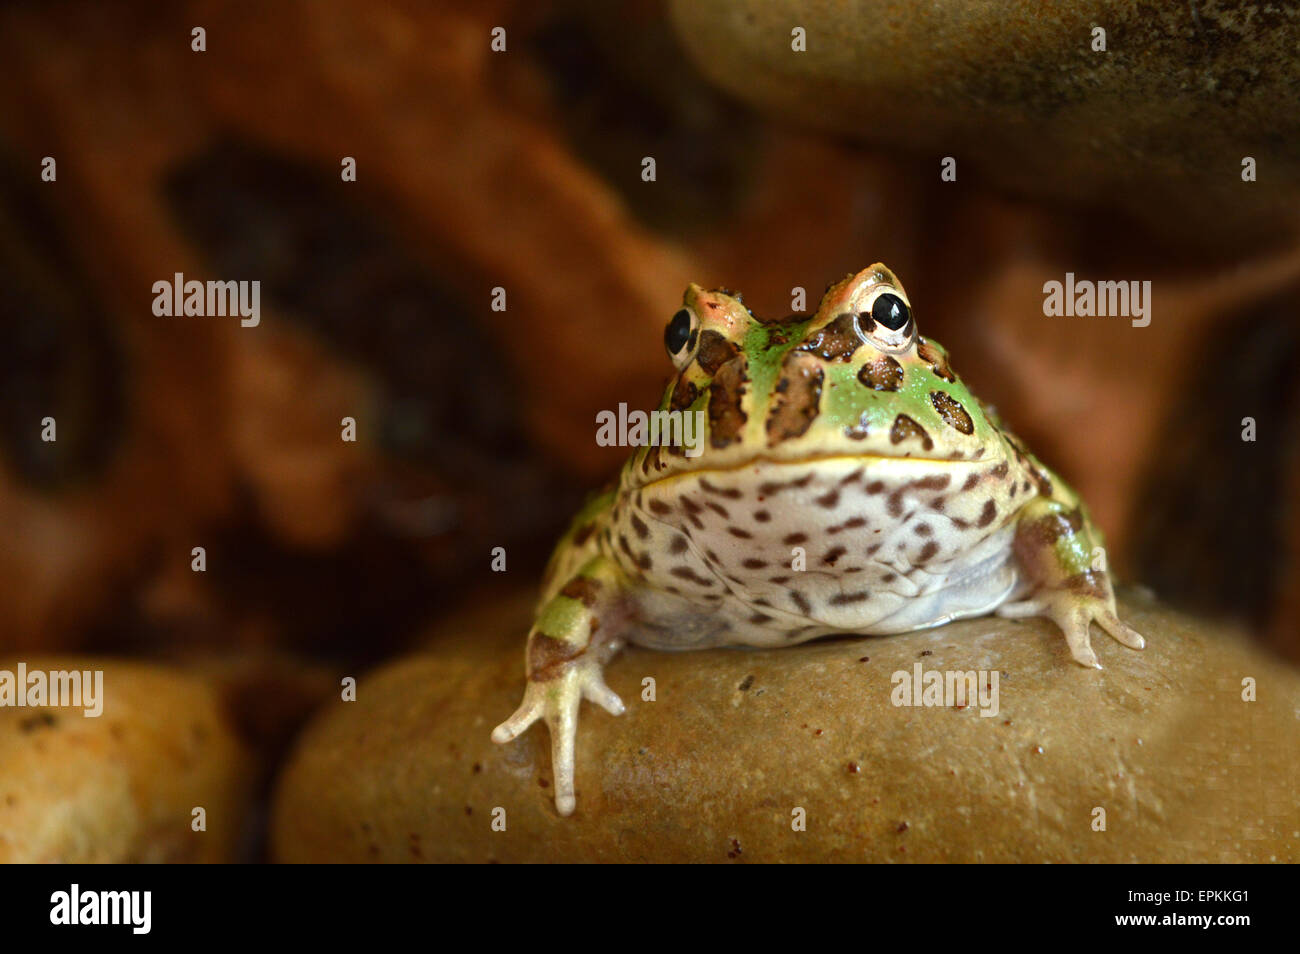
x=572, y=639
x=1054, y=549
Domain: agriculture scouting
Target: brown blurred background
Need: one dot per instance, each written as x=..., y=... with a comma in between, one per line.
x=522, y=169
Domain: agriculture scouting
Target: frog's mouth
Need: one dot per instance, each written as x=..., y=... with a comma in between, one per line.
x=768, y=469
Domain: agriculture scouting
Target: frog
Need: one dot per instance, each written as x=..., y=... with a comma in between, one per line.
x=846, y=481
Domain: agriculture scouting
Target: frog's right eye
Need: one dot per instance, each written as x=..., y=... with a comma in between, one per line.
x=680, y=337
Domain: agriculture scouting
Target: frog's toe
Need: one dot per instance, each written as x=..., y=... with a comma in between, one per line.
x=1079, y=640
x=529, y=711
x=595, y=690
x=1124, y=634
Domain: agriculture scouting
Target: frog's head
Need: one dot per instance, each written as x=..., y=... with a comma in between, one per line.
x=854, y=380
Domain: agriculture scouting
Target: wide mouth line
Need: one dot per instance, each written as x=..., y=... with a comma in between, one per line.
x=823, y=459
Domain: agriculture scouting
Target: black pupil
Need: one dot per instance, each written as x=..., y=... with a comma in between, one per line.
x=678, y=332
x=890, y=311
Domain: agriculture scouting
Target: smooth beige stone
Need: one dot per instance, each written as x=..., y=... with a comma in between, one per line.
x=121, y=787
x=737, y=740
x=1156, y=126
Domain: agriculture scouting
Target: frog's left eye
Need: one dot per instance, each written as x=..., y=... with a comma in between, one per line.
x=680, y=337
x=887, y=323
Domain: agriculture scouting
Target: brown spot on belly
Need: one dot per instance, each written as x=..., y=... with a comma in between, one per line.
x=987, y=514
x=835, y=342
x=583, y=590
x=875, y=487
x=844, y=599
x=717, y=508
x=904, y=428
x=739, y=533
x=833, y=554
x=851, y=524
x=953, y=414
x=797, y=400
x=971, y=481
x=828, y=499
x=800, y=601
x=935, y=359
x=726, y=416
x=758, y=619
x=762, y=516
x=851, y=478
x=791, y=539
x=689, y=575
x=731, y=493
x=715, y=351
x=923, y=530
x=638, y=525
x=882, y=374
x=928, y=552
x=753, y=563
x=773, y=487
x=678, y=546
x=659, y=508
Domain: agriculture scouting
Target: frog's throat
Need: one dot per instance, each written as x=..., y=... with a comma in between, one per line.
x=881, y=464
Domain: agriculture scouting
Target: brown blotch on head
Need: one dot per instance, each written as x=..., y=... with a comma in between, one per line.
x=923, y=530
x=715, y=351
x=659, y=508
x=638, y=525
x=684, y=394
x=882, y=374
x=679, y=545
x=927, y=552
x=858, y=431
x=758, y=619
x=835, y=342
x=797, y=400
x=726, y=416
x=936, y=360
x=904, y=428
x=953, y=414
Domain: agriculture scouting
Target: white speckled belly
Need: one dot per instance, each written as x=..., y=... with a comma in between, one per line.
x=888, y=545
